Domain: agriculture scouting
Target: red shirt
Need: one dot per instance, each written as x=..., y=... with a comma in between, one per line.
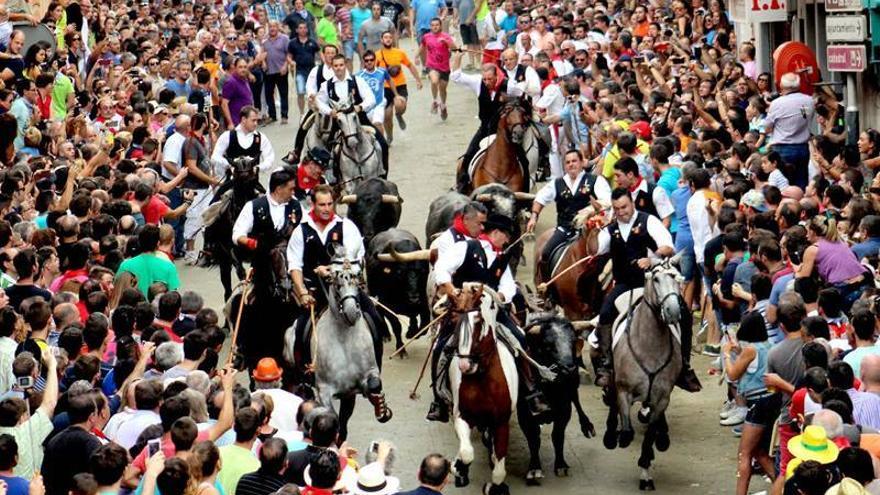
x=45, y=107
x=154, y=211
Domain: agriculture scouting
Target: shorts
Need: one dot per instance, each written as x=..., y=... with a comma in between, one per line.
x=443, y=74
x=469, y=34
x=377, y=114
x=300, y=79
x=401, y=91
x=421, y=34
x=348, y=49
x=194, y=223
x=688, y=264
x=763, y=411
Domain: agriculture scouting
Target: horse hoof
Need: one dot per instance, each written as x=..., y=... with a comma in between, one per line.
x=461, y=481
x=500, y=489
x=626, y=438
x=533, y=477
x=588, y=429
x=610, y=440
x=562, y=472
x=646, y=485
x=644, y=415
x=403, y=354
x=662, y=443
x=385, y=416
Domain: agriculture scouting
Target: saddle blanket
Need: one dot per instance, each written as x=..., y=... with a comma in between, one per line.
x=622, y=303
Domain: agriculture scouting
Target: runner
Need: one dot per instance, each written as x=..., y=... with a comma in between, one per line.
x=435, y=49
x=376, y=78
x=394, y=59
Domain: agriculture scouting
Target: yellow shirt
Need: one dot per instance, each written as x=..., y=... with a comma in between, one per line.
x=614, y=155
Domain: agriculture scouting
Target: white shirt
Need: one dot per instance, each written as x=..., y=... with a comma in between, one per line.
x=519, y=46
x=312, y=81
x=352, y=241
x=532, y=83
x=563, y=67
x=7, y=356
x=551, y=100
x=656, y=230
x=173, y=152
x=443, y=242
x=475, y=81
x=286, y=405
x=130, y=430
x=698, y=218
x=245, y=221
x=454, y=257
x=659, y=197
x=324, y=103
x=547, y=194
x=245, y=140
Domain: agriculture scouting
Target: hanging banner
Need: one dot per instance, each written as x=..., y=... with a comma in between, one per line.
x=760, y=11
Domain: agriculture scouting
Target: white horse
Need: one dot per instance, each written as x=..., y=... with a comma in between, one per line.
x=359, y=156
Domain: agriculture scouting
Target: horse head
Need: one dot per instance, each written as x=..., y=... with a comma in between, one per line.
x=244, y=168
x=551, y=341
x=344, y=291
x=478, y=308
x=662, y=289
x=349, y=126
x=514, y=120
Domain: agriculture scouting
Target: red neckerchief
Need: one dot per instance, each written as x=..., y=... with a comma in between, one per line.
x=318, y=221
x=634, y=188
x=310, y=490
x=458, y=225
x=98, y=433
x=305, y=182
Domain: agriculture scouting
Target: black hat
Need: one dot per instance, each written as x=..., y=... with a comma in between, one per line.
x=499, y=222
x=320, y=156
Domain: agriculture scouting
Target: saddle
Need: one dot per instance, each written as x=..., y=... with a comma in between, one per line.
x=626, y=302
x=556, y=255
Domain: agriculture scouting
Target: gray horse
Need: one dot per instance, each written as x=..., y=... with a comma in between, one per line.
x=360, y=156
x=647, y=361
x=343, y=351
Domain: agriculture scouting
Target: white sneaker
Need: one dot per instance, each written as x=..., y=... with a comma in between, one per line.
x=191, y=257
x=726, y=409
x=737, y=416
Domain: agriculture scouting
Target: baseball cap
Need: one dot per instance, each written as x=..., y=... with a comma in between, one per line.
x=755, y=200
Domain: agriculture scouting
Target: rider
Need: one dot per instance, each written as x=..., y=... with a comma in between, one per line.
x=393, y=59
x=523, y=76
x=572, y=192
x=319, y=73
x=311, y=250
x=310, y=172
x=491, y=88
x=349, y=93
x=262, y=225
x=244, y=140
x=630, y=238
x=647, y=197
x=481, y=260
x=467, y=224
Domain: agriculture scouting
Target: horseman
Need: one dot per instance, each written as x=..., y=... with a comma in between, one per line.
x=491, y=89
x=468, y=224
x=319, y=238
x=310, y=173
x=523, y=76
x=319, y=73
x=481, y=260
x=244, y=140
x=647, y=197
x=263, y=225
x=350, y=94
x=630, y=238
x=574, y=191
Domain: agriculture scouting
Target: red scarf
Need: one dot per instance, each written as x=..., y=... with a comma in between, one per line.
x=318, y=221
x=305, y=182
x=458, y=226
x=635, y=187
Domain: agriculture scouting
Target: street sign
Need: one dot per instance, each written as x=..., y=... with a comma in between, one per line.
x=762, y=11
x=843, y=5
x=846, y=28
x=846, y=58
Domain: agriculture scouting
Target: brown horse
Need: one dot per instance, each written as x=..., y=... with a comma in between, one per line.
x=499, y=163
x=578, y=292
x=484, y=384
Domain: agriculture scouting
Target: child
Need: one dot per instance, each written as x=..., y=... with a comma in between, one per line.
x=830, y=304
x=770, y=164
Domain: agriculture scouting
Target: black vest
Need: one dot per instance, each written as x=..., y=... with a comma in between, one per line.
x=488, y=106
x=568, y=204
x=315, y=252
x=264, y=228
x=644, y=201
x=475, y=267
x=624, y=254
x=319, y=76
x=354, y=94
x=520, y=74
x=235, y=150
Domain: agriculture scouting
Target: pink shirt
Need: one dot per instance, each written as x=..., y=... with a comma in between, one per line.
x=437, y=48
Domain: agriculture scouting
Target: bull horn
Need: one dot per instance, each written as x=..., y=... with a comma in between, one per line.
x=523, y=196
x=582, y=325
x=390, y=198
x=484, y=197
x=420, y=255
x=349, y=199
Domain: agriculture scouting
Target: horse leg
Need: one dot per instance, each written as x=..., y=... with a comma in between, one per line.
x=376, y=396
x=346, y=409
x=646, y=482
x=325, y=395
x=500, y=443
x=587, y=427
x=465, y=451
x=560, y=423
x=611, y=423
x=662, y=439
x=626, y=429
x=532, y=431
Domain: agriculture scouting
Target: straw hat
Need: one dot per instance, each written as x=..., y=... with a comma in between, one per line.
x=813, y=445
x=847, y=486
x=372, y=481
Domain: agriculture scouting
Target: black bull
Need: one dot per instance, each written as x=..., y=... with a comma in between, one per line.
x=397, y=281
x=374, y=206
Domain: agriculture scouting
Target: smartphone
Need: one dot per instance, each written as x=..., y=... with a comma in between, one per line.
x=153, y=446
x=677, y=60
x=638, y=59
x=24, y=382
x=698, y=52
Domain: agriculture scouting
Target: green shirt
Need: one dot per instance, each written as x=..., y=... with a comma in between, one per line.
x=315, y=9
x=60, y=92
x=326, y=31
x=237, y=462
x=149, y=268
x=483, y=12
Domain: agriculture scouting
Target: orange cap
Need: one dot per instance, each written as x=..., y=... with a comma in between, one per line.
x=267, y=370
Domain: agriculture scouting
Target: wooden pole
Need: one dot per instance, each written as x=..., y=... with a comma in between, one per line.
x=543, y=286
x=417, y=335
x=244, y=294
x=413, y=395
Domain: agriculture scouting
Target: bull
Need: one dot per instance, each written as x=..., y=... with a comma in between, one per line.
x=397, y=274
x=514, y=205
x=374, y=206
x=441, y=213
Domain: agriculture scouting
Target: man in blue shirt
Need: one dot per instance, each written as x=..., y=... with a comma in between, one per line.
x=180, y=84
x=870, y=230
x=422, y=11
x=375, y=77
x=301, y=52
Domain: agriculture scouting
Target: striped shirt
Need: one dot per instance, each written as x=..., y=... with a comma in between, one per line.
x=259, y=483
x=866, y=408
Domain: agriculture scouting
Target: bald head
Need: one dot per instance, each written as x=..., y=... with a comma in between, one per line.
x=181, y=123
x=65, y=314
x=68, y=226
x=510, y=58
x=870, y=371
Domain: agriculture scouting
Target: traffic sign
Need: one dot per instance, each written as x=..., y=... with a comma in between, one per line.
x=846, y=58
x=846, y=28
x=843, y=5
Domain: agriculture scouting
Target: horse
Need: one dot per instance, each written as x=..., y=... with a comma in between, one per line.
x=320, y=131
x=359, y=156
x=484, y=383
x=646, y=354
x=345, y=358
x=579, y=291
x=240, y=186
x=551, y=341
x=499, y=162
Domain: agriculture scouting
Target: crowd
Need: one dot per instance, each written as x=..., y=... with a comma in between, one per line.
x=113, y=138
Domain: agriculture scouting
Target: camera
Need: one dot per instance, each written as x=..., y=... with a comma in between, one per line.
x=24, y=382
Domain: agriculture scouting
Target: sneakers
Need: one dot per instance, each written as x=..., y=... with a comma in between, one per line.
x=443, y=112
x=400, y=122
x=434, y=106
x=737, y=416
x=726, y=409
x=191, y=257
x=712, y=350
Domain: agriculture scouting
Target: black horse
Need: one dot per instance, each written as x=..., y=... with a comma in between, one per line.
x=240, y=186
x=551, y=341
